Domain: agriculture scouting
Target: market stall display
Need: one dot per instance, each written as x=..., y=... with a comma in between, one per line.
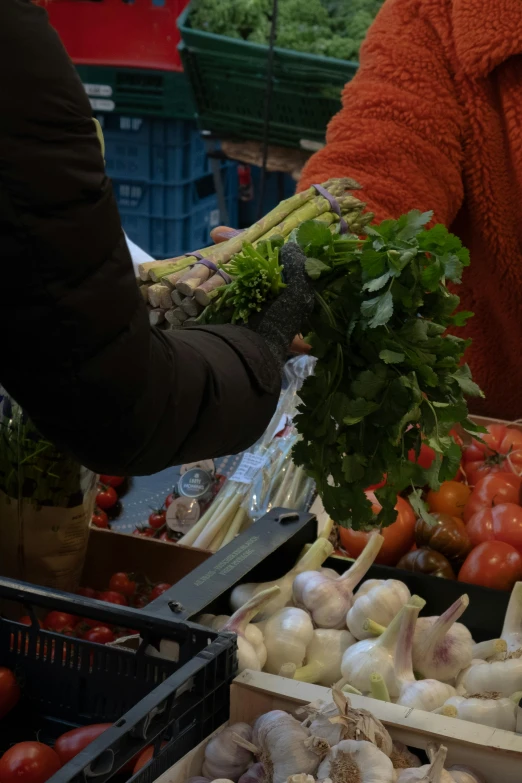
x=396, y=744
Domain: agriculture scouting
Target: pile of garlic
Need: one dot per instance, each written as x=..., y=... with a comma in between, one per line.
x=315, y=626
x=334, y=744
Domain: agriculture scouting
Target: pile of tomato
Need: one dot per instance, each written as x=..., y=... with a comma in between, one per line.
x=474, y=533
x=123, y=590
x=35, y=762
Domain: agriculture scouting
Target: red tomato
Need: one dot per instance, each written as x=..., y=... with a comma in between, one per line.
x=158, y=590
x=140, y=601
x=60, y=622
x=492, y=564
x=112, y=481
x=112, y=597
x=122, y=583
x=28, y=762
x=166, y=536
x=480, y=527
x=100, y=634
x=398, y=537
x=425, y=458
x=507, y=524
x=144, y=757
x=72, y=742
x=492, y=490
x=501, y=452
x=87, y=592
x=100, y=518
x=450, y=499
x=106, y=497
x=169, y=499
x=147, y=532
x=9, y=692
x=157, y=519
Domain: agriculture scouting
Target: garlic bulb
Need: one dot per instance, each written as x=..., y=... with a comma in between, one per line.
x=328, y=599
x=287, y=636
x=319, y=722
x=323, y=657
x=358, y=761
x=301, y=778
x=465, y=775
x=402, y=758
x=250, y=654
x=254, y=774
x=512, y=629
x=429, y=773
x=281, y=743
x=252, y=633
x=502, y=677
x=429, y=694
x=198, y=778
x=224, y=758
x=361, y=660
x=378, y=600
x=487, y=709
x=442, y=647
x=311, y=560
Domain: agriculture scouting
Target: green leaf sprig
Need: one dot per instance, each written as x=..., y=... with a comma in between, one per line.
x=387, y=368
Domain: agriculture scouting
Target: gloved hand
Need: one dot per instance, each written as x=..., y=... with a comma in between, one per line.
x=296, y=344
x=280, y=321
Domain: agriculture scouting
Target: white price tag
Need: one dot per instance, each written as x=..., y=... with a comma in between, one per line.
x=248, y=468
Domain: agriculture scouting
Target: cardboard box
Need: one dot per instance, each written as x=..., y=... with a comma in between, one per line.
x=108, y=552
x=496, y=754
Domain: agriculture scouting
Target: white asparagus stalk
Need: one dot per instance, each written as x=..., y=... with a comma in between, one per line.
x=221, y=501
x=155, y=291
x=217, y=541
x=144, y=291
x=180, y=314
x=165, y=300
x=217, y=521
x=235, y=526
x=171, y=317
x=191, y=307
x=156, y=317
x=176, y=297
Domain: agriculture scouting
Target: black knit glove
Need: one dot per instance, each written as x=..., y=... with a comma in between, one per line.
x=286, y=317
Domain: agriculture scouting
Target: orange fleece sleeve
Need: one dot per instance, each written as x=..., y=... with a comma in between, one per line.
x=400, y=131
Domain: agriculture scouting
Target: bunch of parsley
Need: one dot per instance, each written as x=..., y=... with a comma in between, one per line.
x=387, y=368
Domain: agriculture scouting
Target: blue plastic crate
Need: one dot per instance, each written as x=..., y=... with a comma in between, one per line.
x=165, y=201
x=161, y=151
x=165, y=237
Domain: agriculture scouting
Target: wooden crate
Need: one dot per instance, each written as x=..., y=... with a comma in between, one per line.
x=496, y=754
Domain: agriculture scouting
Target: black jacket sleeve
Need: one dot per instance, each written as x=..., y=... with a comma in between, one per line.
x=77, y=349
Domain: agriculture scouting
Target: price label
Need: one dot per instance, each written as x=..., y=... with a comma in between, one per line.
x=248, y=468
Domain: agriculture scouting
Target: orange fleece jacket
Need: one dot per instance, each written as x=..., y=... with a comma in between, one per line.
x=433, y=120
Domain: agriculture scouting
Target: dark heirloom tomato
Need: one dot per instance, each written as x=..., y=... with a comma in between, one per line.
x=427, y=561
x=448, y=536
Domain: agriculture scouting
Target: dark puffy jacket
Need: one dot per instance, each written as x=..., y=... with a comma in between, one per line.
x=77, y=349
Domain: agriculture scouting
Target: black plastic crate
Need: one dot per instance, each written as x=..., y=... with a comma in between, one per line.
x=68, y=682
x=484, y=616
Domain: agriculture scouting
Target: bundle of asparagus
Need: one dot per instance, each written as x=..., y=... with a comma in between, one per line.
x=178, y=290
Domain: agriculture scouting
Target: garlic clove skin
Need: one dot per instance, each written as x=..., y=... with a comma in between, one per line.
x=429, y=773
x=425, y=695
x=287, y=636
x=281, y=740
x=499, y=713
x=465, y=775
x=442, y=647
x=358, y=761
x=224, y=758
x=254, y=774
x=402, y=757
x=378, y=600
x=502, y=677
x=323, y=657
x=512, y=629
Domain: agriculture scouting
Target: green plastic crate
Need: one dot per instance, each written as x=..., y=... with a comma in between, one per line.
x=135, y=91
x=228, y=77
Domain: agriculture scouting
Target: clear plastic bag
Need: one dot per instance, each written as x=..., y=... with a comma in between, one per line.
x=46, y=504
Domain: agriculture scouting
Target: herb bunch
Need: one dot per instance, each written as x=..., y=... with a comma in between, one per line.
x=387, y=369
